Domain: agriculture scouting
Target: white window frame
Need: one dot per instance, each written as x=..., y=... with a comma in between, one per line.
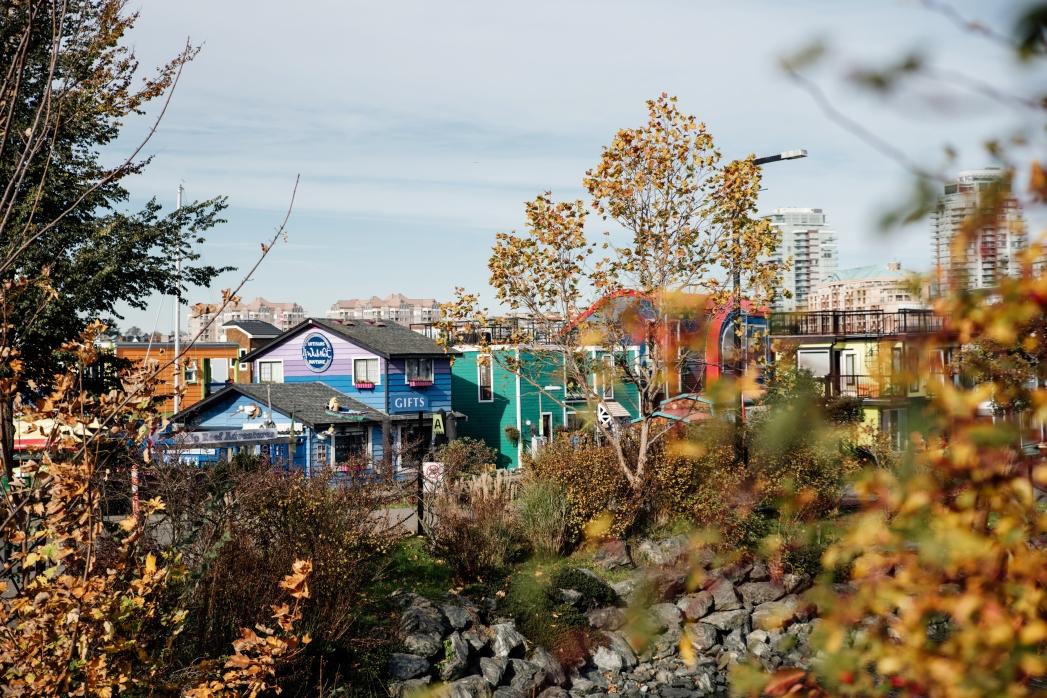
x=191, y=372
x=480, y=366
x=407, y=372
x=378, y=363
x=258, y=369
x=850, y=378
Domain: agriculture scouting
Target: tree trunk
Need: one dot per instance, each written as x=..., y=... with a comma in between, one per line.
x=7, y=435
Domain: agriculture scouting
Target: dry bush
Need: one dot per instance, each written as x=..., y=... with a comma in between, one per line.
x=473, y=526
x=544, y=516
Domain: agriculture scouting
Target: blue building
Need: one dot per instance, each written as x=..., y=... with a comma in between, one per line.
x=327, y=392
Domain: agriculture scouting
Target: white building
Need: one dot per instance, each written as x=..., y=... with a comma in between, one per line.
x=811, y=247
x=993, y=250
x=396, y=307
x=885, y=287
x=283, y=315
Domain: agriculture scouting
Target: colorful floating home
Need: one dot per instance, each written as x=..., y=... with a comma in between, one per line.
x=326, y=392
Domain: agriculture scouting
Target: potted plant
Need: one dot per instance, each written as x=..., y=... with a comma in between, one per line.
x=419, y=383
x=363, y=385
x=513, y=434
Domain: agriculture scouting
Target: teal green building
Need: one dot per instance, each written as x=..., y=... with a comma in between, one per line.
x=521, y=393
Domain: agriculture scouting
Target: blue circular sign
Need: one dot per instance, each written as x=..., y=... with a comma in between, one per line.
x=317, y=352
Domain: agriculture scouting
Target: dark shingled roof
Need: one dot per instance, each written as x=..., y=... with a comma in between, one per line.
x=255, y=328
x=307, y=401
x=382, y=337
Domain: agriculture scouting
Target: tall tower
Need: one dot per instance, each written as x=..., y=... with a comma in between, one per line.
x=811, y=246
x=993, y=250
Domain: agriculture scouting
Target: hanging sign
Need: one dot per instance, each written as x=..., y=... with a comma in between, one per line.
x=438, y=423
x=317, y=352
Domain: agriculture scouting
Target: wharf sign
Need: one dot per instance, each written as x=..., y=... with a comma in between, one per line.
x=317, y=352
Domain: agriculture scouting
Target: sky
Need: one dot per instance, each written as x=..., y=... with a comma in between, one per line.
x=420, y=128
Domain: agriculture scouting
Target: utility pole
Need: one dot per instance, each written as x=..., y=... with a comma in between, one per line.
x=178, y=320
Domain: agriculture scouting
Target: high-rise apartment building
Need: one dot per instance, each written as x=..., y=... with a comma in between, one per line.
x=811, y=246
x=885, y=287
x=993, y=250
x=283, y=315
x=396, y=307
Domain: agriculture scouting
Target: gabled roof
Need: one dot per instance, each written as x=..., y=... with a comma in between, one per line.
x=307, y=402
x=385, y=338
x=255, y=328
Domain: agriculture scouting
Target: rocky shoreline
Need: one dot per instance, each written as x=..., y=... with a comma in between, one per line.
x=658, y=639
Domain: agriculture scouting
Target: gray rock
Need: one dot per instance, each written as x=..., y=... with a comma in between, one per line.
x=733, y=642
x=704, y=684
x=554, y=692
x=476, y=639
x=666, y=615
x=625, y=589
x=673, y=692
x=609, y=618
x=506, y=641
x=758, y=636
x=422, y=627
x=773, y=615
x=470, y=687
x=403, y=667
x=507, y=692
x=620, y=645
x=458, y=617
x=756, y=593
x=608, y=660
x=548, y=663
x=702, y=635
x=409, y=688
x=667, y=644
x=570, y=596
x=456, y=658
x=661, y=553
x=795, y=582
x=612, y=554
x=695, y=606
x=667, y=584
x=583, y=686
x=493, y=669
x=727, y=620
x=759, y=572
x=724, y=598
x=526, y=677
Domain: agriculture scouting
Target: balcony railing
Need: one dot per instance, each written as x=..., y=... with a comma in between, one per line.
x=864, y=387
x=501, y=332
x=857, y=323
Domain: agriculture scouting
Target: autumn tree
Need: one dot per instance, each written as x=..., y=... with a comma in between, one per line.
x=68, y=83
x=679, y=217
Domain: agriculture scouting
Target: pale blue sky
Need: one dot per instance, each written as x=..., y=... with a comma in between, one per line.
x=420, y=128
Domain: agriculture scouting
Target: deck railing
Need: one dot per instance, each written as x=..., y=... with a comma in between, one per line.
x=500, y=332
x=857, y=323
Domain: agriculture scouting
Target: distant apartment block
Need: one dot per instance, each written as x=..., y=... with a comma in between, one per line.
x=811, y=246
x=283, y=315
x=993, y=250
x=396, y=307
x=885, y=287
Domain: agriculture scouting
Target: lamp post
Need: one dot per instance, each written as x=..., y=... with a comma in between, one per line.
x=739, y=326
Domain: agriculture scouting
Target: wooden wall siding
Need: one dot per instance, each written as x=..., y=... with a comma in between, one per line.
x=487, y=420
x=194, y=392
x=438, y=395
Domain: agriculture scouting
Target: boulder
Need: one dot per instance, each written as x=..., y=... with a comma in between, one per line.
x=756, y=593
x=661, y=553
x=666, y=615
x=612, y=554
x=411, y=688
x=795, y=582
x=457, y=616
x=667, y=584
x=554, y=692
x=609, y=618
x=570, y=596
x=422, y=627
x=727, y=620
x=506, y=641
x=625, y=589
x=526, y=677
x=733, y=641
x=470, y=687
x=493, y=669
x=724, y=598
x=777, y=614
x=618, y=643
x=608, y=660
x=759, y=572
x=476, y=639
x=507, y=692
x=456, y=657
x=403, y=667
x=702, y=635
x=548, y=663
x=695, y=606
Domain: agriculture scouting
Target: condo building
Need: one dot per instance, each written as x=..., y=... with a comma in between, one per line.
x=810, y=246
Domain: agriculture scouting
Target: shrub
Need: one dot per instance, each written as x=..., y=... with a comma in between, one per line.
x=592, y=482
x=543, y=515
x=466, y=456
x=595, y=592
x=473, y=527
x=534, y=603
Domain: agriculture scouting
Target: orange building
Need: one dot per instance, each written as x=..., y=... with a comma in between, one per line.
x=206, y=367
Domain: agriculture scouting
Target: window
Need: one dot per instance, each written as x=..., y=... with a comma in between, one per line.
x=574, y=422
x=366, y=371
x=848, y=370
x=220, y=370
x=191, y=371
x=419, y=370
x=270, y=372
x=605, y=378
x=484, y=376
x=547, y=425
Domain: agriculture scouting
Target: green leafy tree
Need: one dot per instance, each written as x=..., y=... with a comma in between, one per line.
x=71, y=247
